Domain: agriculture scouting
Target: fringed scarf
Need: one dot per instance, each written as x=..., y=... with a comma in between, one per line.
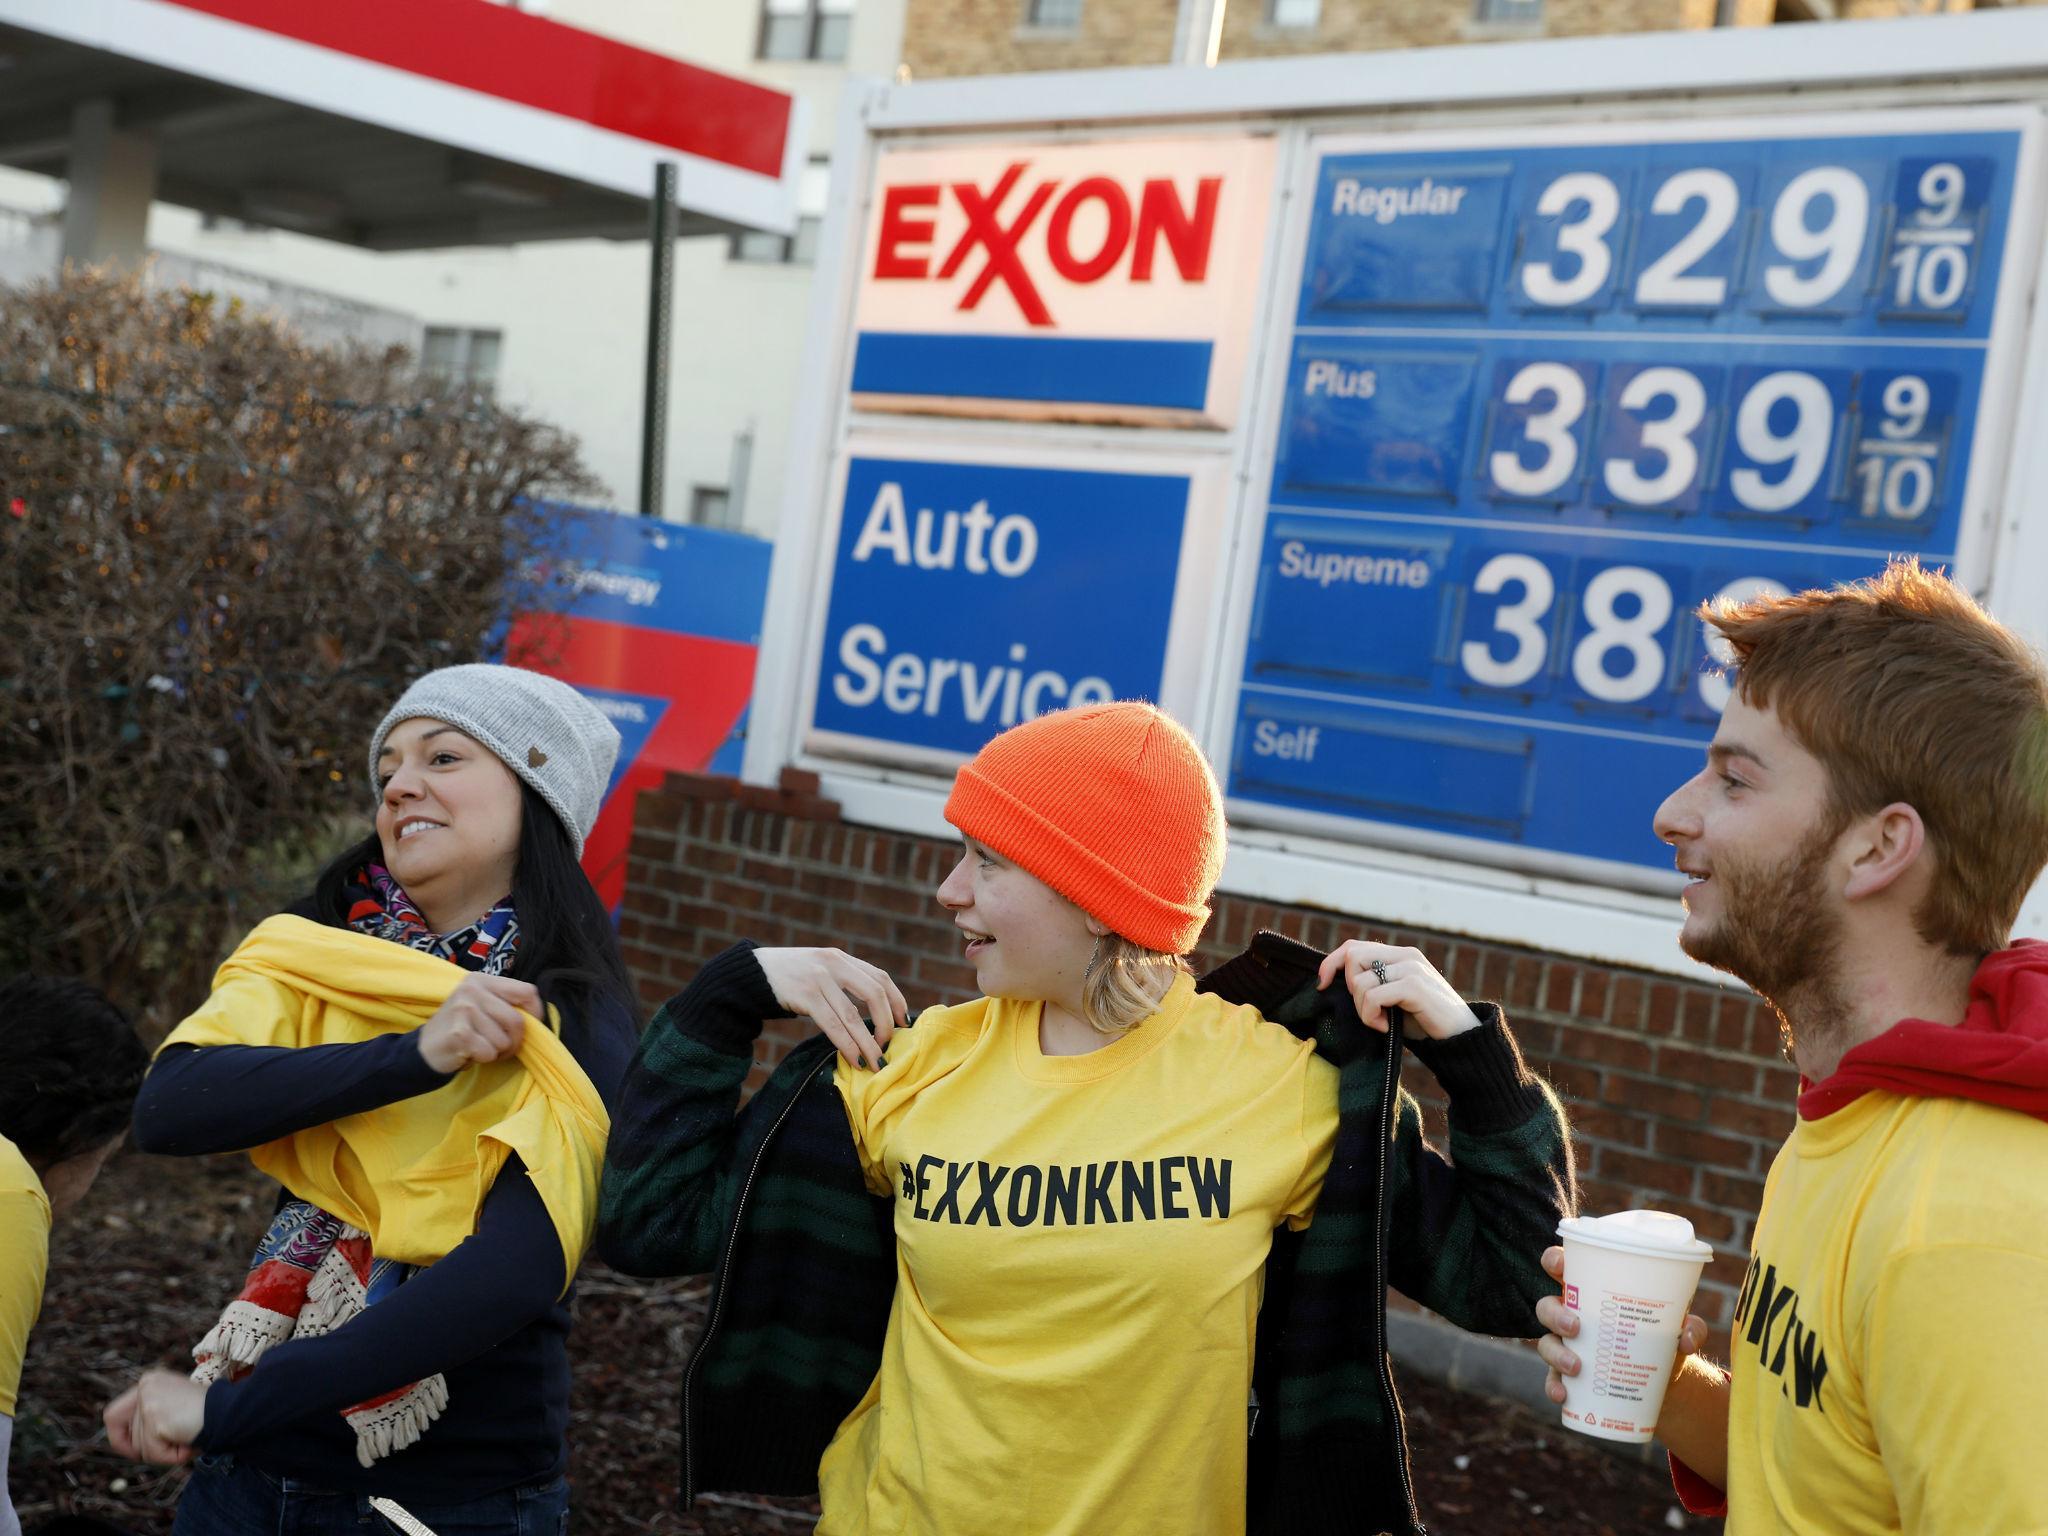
x=312, y=1271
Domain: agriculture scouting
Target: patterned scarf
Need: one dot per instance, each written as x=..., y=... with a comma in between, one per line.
x=379, y=907
x=313, y=1271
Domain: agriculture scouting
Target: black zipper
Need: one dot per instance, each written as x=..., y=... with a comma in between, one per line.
x=724, y=1269
x=1390, y=1102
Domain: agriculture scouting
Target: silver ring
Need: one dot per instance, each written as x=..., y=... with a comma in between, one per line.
x=1379, y=969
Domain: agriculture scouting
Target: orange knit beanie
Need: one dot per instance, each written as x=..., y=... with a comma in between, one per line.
x=1113, y=806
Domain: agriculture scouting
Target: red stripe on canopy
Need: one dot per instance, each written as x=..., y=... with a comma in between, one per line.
x=540, y=63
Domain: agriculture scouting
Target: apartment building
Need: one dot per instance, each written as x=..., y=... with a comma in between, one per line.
x=984, y=37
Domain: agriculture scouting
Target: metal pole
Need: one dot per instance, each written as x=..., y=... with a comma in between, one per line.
x=1198, y=33
x=661, y=291
x=736, y=481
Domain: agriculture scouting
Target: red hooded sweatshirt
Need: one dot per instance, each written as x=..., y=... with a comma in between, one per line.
x=1998, y=1055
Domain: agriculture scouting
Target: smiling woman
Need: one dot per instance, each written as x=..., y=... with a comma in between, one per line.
x=423, y=1052
x=447, y=821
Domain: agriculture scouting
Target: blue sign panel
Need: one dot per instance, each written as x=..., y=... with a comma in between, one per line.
x=658, y=625
x=1543, y=402
x=969, y=597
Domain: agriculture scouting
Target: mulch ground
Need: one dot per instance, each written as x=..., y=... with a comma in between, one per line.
x=142, y=1268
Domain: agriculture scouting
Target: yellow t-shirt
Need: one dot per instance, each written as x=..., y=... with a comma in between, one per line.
x=1888, y=1371
x=24, y=1257
x=1080, y=1251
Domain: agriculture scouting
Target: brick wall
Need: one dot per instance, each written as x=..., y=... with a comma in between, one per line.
x=1678, y=1093
x=989, y=37
x=984, y=37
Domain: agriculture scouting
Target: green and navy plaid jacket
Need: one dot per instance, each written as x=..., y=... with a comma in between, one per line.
x=770, y=1201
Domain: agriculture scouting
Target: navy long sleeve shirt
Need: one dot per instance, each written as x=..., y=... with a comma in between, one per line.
x=491, y=1317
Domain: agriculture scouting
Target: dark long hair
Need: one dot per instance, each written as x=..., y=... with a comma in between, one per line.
x=70, y=1065
x=566, y=944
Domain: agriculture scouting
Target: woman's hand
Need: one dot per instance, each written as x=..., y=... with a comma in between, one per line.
x=833, y=989
x=157, y=1419
x=1405, y=980
x=1561, y=1322
x=480, y=1022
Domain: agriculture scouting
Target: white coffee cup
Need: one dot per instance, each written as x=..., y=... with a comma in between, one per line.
x=1630, y=1277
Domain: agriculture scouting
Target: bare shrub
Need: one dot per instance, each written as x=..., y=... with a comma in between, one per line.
x=223, y=552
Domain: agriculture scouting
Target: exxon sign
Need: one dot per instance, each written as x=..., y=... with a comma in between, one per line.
x=1063, y=282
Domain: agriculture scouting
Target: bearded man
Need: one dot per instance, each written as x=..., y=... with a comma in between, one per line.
x=1872, y=813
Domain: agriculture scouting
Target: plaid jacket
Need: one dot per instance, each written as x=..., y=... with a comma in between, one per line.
x=771, y=1202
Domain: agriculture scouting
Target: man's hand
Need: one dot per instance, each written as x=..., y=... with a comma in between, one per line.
x=1411, y=984
x=1694, y=1422
x=833, y=990
x=480, y=1022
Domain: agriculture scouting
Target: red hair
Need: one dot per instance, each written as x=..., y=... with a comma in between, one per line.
x=1908, y=691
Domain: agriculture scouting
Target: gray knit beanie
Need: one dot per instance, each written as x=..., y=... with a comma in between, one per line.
x=538, y=726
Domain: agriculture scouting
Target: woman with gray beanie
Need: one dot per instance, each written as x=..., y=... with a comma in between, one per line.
x=341, y=1384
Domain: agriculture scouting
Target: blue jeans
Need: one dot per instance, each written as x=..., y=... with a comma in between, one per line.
x=230, y=1498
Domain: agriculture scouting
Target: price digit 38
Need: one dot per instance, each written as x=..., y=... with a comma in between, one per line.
x=1626, y=626
x=1618, y=655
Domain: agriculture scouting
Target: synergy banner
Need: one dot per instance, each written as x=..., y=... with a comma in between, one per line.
x=660, y=629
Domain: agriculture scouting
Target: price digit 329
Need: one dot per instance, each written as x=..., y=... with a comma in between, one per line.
x=1818, y=229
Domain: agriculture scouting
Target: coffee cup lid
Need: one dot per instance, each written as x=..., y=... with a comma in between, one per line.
x=1655, y=1234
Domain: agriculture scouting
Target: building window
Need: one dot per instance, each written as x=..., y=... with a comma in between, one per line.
x=801, y=248
x=1294, y=14
x=1053, y=15
x=451, y=355
x=1523, y=13
x=759, y=245
x=221, y=224
x=710, y=506
x=806, y=29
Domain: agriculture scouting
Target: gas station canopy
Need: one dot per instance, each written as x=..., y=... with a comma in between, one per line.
x=392, y=124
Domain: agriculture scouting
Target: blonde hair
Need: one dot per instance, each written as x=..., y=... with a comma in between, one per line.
x=1125, y=983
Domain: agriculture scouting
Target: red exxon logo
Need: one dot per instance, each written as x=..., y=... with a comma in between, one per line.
x=1002, y=219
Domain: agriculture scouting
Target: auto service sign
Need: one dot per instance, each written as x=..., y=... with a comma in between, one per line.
x=1110, y=281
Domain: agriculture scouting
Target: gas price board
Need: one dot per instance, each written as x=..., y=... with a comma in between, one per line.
x=1541, y=400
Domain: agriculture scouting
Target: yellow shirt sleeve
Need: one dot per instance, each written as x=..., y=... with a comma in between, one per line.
x=1956, y=1389
x=1318, y=1138
x=858, y=1090
x=915, y=1057
x=24, y=1260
